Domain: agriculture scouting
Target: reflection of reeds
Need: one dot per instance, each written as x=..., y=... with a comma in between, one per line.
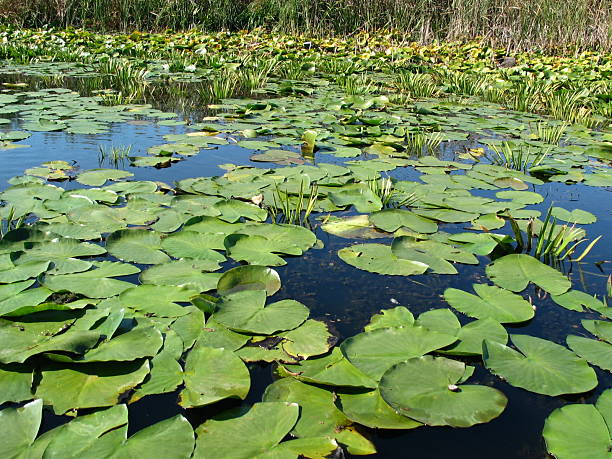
x=115, y=155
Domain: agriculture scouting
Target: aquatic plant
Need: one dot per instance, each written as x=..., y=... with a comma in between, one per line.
x=549, y=132
x=354, y=85
x=517, y=157
x=416, y=84
x=114, y=154
x=294, y=209
x=554, y=242
x=420, y=142
x=10, y=222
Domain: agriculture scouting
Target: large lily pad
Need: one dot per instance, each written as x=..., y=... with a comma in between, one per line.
x=424, y=389
x=579, y=431
x=213, y=374
x=541, y=366
x=492, y=302
x=379, y=258
x=376, y=351
x=136, y=245
x=514, y=272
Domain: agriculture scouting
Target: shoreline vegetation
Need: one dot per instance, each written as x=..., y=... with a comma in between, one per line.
x=512, y=24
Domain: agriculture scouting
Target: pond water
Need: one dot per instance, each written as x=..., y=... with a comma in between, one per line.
x=342, y=296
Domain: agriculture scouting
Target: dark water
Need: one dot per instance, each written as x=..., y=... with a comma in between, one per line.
x=346, y=297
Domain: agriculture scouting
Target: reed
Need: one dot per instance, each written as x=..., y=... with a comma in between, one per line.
x=512, y=23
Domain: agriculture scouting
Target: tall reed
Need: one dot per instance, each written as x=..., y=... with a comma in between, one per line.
x=511, y=23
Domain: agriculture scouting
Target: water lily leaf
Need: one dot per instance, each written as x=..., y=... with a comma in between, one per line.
x=523, y=197
x=488, y=222
x=254, y=433
x=192, y=244
x=25, y=339
x=446, y=215
x=319, y=416
x=370, y=409
x=251, y=277
x=22, y=272
x=492, y=302
x=217, y=335
x=96, y=283
x=309, y=339
x=581, y=217
x=354, y=227
x=332, y=369
x=596, y=352
x=599, y=328
x=15, y=383
x=574, y=300
x=379, y=258
x=434, y=254
x=19, y=428
x=515, y=271
x=233, y=210
x=578, y=430
x=137, y=343
x=136, y=245
x=93, y=385
x=470, y=336
x=282, y=157
x=246, y=312
x=62, y=252
x=258, y=250
x=303, y=447
x=32, y=297
x=391, y=220
x=541, y=366
x=359, y=195
x=376, y=351
x=98, y=177
x=213, y=374
x=159, y=300
x=399, y=316
x=424, y=388
x=166, y=372
x=183, y=273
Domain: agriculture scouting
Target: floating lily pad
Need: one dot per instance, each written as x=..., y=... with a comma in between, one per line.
x=514, y=272
x=425, y=389
x=541, y=366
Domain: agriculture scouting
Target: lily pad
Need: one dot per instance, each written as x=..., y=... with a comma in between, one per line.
x=541, y=366
x=425, y=389
x=514, y=272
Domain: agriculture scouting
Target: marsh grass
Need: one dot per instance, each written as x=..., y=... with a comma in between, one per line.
x=10, y=223
x=549, y=132
x=420, y=142
x=294, y=210
x=512, y=23
x=553, y=242
x=516, y=157
x=416, y=85
x=115, y=155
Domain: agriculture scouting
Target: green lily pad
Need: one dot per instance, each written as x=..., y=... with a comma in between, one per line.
x=246, y=312
x=379, y=258
x=541, y=366
x=376, y=351
x=251, y=277
x=579, y=430
x=492, y=302
x=136, y=245
x=596, y=352
x=425, y=389
x=514, y=272
x=213, y=374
